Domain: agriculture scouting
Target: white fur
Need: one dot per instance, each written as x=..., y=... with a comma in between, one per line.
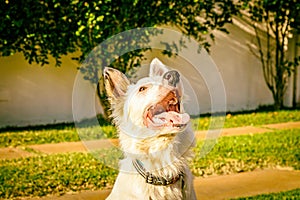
x=164, y=151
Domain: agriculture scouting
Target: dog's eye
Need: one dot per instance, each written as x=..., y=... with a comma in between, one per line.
x=142, y=88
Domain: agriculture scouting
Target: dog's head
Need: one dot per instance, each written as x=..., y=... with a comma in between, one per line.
x=152, y=106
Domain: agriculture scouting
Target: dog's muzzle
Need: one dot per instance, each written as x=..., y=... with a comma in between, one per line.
x=167, y=111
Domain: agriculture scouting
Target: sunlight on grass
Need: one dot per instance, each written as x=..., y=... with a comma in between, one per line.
x=61, y=173
x=251, y=119
x=292, y=195
x=55, y=136
x=53, y=174
x=246, y=153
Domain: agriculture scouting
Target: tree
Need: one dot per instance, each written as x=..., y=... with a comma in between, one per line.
x=273, y=22
x=41, y=29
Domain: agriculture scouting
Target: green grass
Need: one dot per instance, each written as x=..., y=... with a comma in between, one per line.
x=61, y=173
x=250, y=119
x=291, y=195
x=53, y=174
x=46, y=136
x=68, y=133
x=249, y=152
x=37, y=137
x=57, y=174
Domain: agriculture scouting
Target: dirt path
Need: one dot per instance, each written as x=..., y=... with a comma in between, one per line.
x=11, y=153
x=219, y=187
x=248, y=130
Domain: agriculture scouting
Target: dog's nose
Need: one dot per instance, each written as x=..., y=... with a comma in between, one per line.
x=172, y=77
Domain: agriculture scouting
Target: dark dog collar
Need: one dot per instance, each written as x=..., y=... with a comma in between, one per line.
x=156, y=180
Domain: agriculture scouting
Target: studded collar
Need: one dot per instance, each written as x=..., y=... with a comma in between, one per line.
x=153, y=179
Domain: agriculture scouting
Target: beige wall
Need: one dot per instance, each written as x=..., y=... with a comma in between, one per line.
x=30, y=94
x=294, y=51
x=241, y=70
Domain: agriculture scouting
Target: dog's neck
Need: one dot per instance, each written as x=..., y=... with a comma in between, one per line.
x=158, y=155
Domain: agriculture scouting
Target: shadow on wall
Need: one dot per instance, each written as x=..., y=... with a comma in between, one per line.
x=241, y=70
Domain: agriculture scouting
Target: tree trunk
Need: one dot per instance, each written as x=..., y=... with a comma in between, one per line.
x=296, y=70
x=278, y=99
x=103, y=101
x=279, y=88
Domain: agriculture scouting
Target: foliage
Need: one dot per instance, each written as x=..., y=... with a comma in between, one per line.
x=37, y=29
x=61, y=173
x=292, y=195
x=274, y=22
x=40, y=29
x=246, y=153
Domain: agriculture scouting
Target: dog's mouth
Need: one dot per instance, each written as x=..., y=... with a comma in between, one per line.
x=166, y=113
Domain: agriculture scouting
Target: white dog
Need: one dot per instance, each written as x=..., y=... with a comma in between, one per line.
x=154, y=135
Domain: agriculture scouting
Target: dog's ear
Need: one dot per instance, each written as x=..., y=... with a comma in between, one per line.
x=116, y=82
x=157, y=68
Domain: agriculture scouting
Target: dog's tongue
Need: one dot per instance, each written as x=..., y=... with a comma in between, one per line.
x=172, y=117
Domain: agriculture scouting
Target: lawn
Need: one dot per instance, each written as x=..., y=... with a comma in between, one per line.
x=53, y=174
x=48, y=135
x=291, y=195
x=250, y=119
x=245, y=153
x=61, y=173
x=68, y=133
